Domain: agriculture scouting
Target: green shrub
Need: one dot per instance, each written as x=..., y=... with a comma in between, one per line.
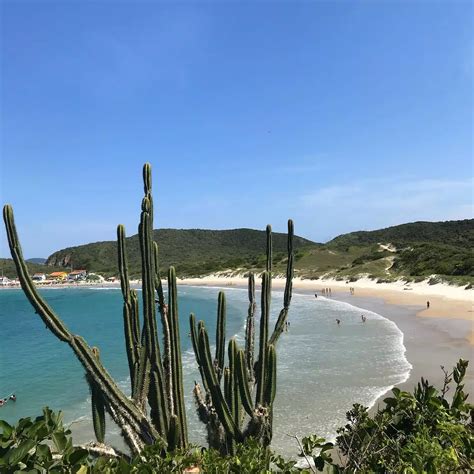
x=420, y=432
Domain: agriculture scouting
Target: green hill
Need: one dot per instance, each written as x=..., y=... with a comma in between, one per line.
x=7, y=268
x=457, y=233
x=191, y=251
x=414, y=251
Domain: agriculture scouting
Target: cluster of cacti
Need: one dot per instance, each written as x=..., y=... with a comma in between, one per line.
x=156, y=384
x=155, y=410
x=226, y=399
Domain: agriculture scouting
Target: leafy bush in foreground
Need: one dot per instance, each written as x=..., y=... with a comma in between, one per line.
x=419, y=432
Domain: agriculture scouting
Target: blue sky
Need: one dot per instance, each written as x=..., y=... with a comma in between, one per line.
x=341, y=115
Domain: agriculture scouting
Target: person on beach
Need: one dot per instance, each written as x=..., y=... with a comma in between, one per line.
x=364, y=319
x=329, y=291
x=338, y=321
x=427, y=305
x=315, y=295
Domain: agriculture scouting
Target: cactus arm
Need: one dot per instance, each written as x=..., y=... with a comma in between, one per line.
x=112, y=394
x=98, y=404
x=261, y=365
x=130, y=310
x=227, y=387
x=220, y=333
x=234, y=387
x=163, y=308
x=280, y=324
x=52, y=322
x=178, y=393
x=244, y=388
x=194, y=340
x=250, y=328
x=270, y=382
x=142, y=379
x=269, y=248
x=157, y=389
x=174, y=434
x=130, y=417
x=218, y=400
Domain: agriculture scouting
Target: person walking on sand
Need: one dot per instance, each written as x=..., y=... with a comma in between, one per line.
x=427, y=305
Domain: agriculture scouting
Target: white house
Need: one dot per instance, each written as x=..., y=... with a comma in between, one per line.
x=39, y=277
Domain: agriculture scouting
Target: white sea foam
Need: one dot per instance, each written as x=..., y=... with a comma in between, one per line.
x=322, y=369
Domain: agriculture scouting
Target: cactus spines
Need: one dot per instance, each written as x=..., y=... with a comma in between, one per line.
x=218, y=400
x=242, y=374
x=130, y=311
x=270, y=380
x=262, y=349
x=160, y=384
x=269, y=247
x=143, y=351
x=245, y=394
x=250, y=327
x=129, y=417
x=178, y=408
x=280, y=324
x=174, y=435
x=98, y=404
x=52, y=322
x=220, y=333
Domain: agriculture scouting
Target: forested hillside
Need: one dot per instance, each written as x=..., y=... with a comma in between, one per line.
x=416, y=250
x=191, y=251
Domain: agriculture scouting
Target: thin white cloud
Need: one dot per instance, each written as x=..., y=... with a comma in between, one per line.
x=378, y=203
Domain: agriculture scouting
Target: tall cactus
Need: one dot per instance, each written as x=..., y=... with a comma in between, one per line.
x=242, y=376
x=148, y=375
x=156, y=377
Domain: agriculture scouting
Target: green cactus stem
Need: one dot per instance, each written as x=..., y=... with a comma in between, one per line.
x=130, y=311
x=250, y=328
x=220, y=334
x=122, y=410
x=282, y=317
x=98, y=404
x=218, y=400
x=262, y=350
x=177, y=370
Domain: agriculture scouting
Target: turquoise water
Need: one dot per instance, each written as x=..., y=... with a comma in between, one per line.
x=322, y=368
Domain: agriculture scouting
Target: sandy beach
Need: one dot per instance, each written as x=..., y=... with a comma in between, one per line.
x=433, y=337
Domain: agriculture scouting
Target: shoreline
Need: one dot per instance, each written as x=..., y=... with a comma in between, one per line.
x=439, y=336
x=434, y=337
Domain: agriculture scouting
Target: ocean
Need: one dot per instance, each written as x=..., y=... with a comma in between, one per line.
x=323, y=368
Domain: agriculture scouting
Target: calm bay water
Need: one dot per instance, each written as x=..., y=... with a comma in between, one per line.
x=322, y=368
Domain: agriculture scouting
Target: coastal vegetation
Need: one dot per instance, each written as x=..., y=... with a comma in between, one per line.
x=155, y=412
x=430, y=430
x=414, y=252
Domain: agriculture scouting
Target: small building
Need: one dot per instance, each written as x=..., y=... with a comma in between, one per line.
x=58, y=276
x=77, y=275
x=39, y=277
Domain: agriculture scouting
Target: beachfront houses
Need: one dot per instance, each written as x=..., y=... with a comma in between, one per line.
x=77, y=275
x=58, y=276
x=39, y=277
